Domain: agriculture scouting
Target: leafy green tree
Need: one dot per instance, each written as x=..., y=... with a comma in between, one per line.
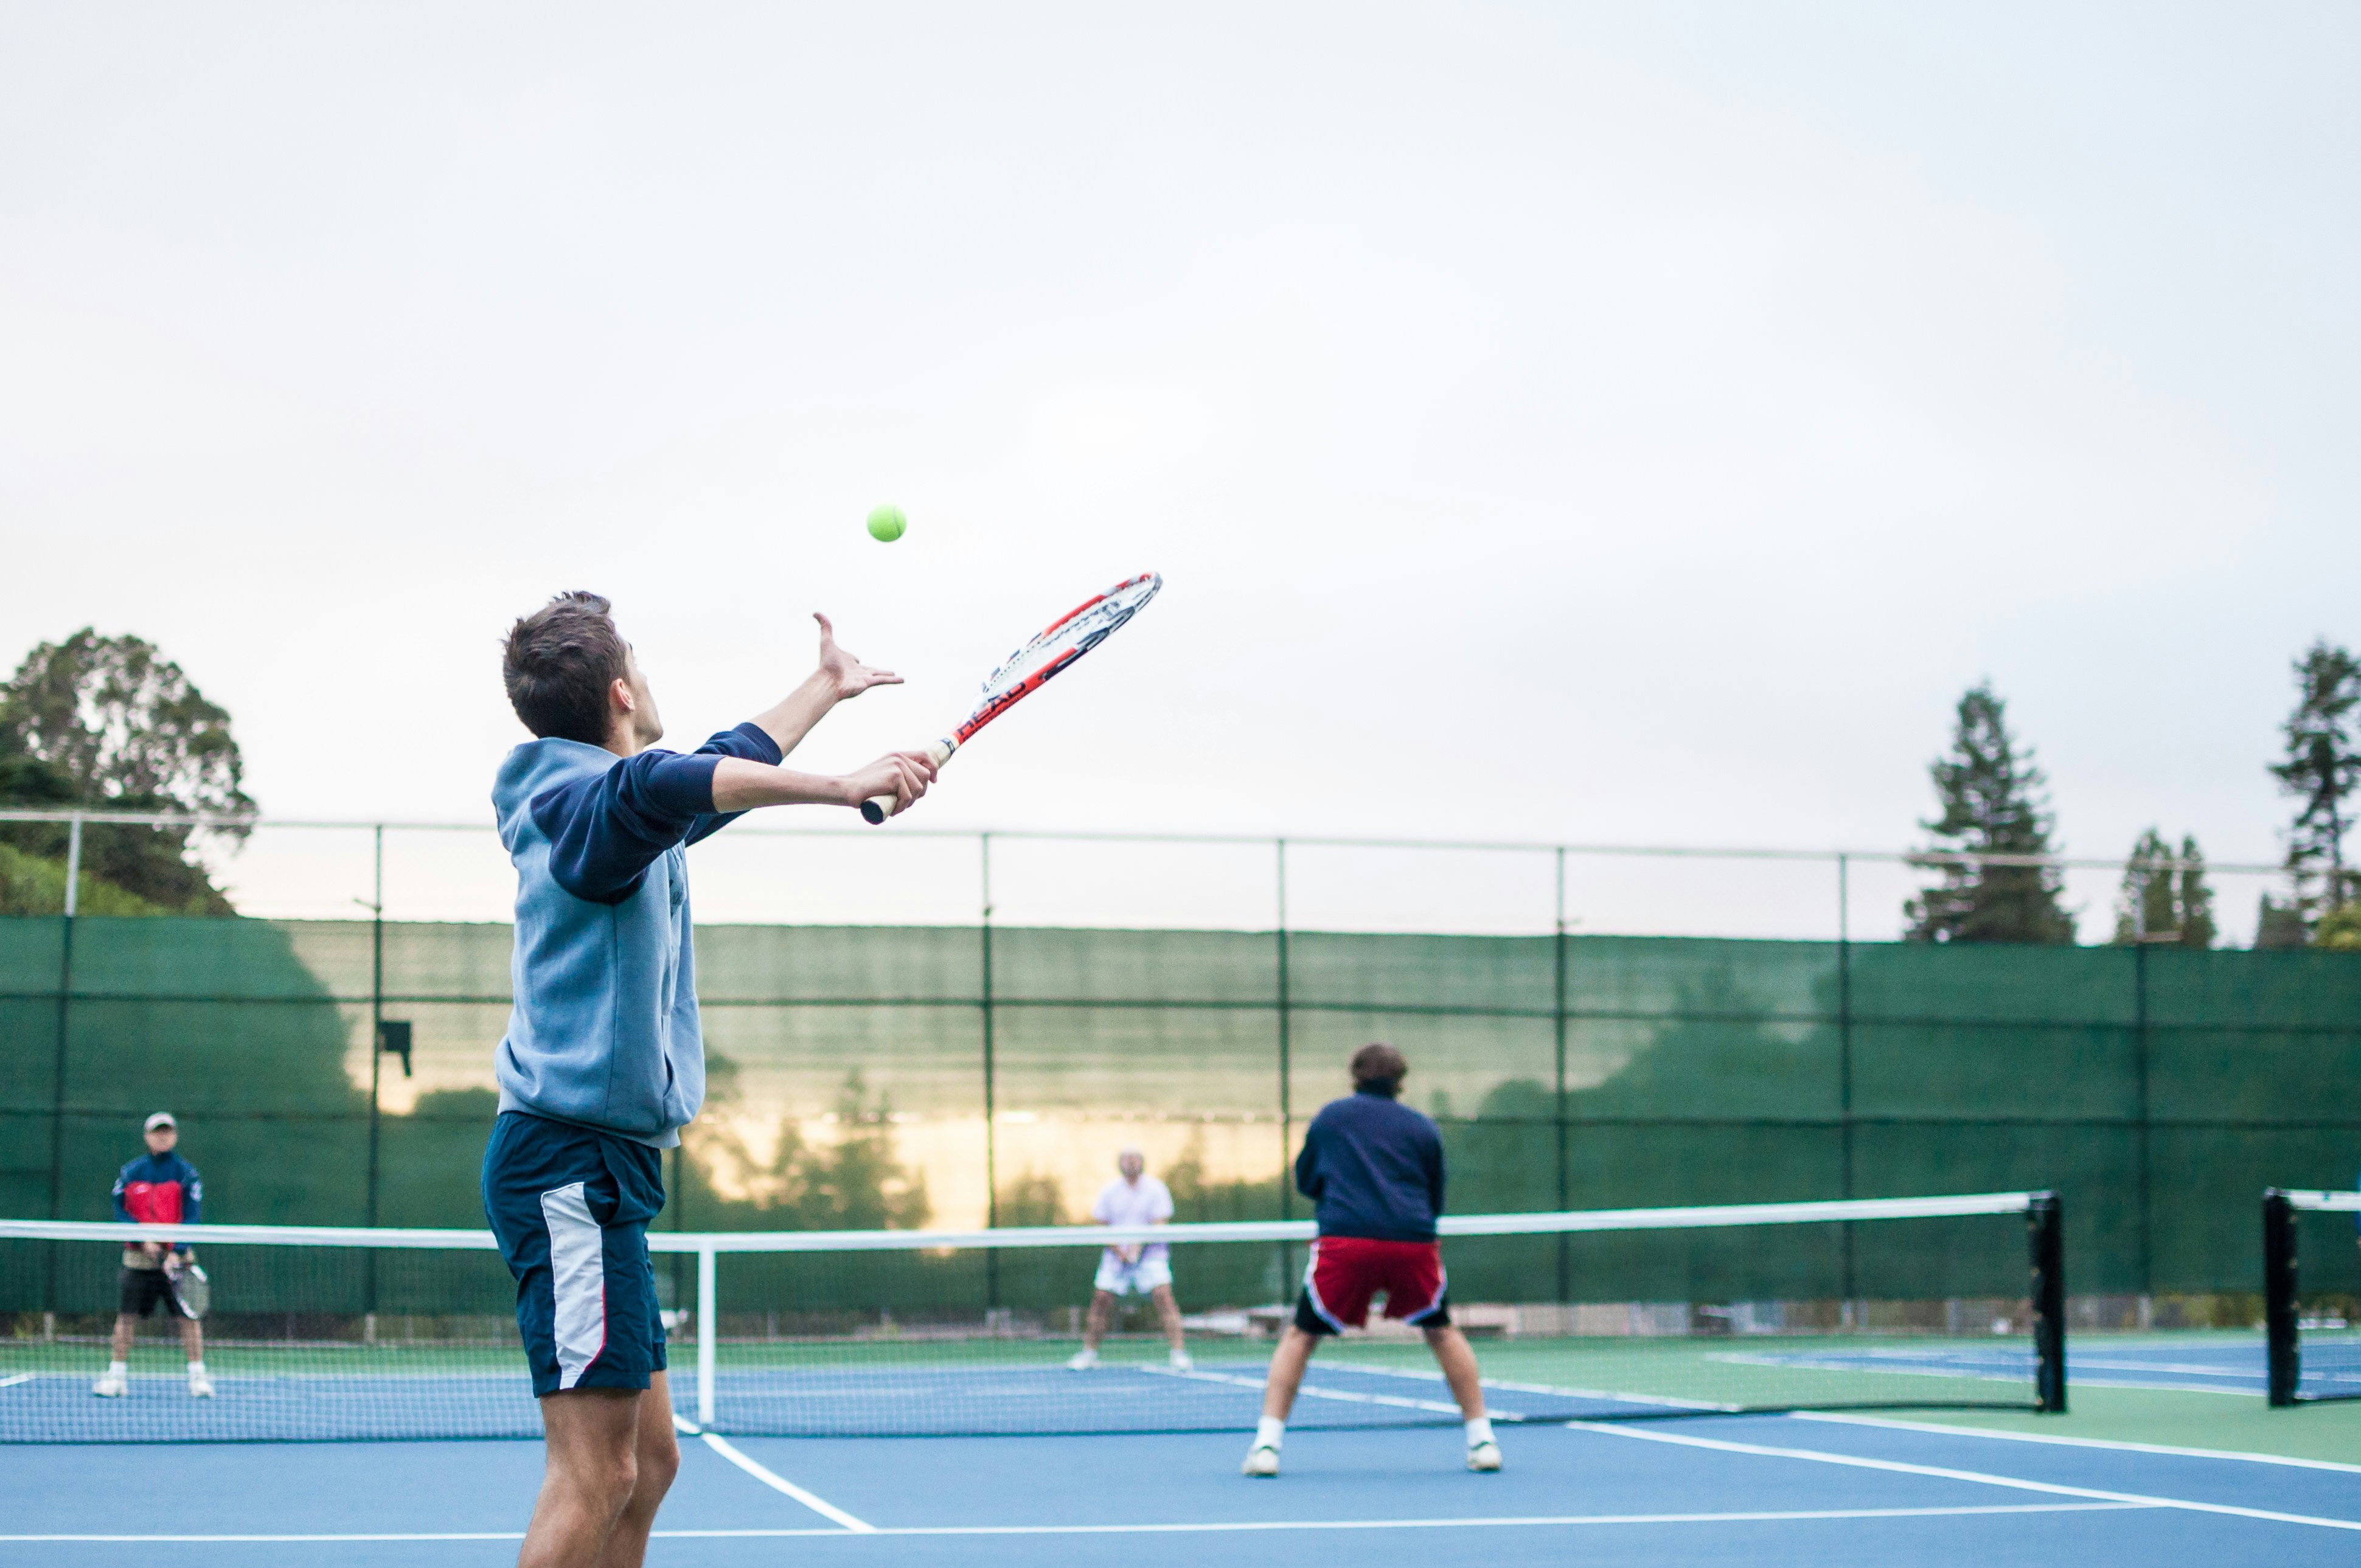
x=2324, y=763
x=109, y=722
x=1992, y=803
x=2160, y=900
x=2340, y=929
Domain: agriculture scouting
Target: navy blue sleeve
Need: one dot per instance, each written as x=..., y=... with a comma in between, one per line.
x=192, y=1194
x=749, y=742
x=1307, y=1179
x=605, y=832
x=1435, y=1167
x=122, y=1179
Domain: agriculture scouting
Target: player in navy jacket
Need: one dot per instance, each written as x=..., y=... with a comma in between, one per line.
x=1374, y=1166
x=160, y=1187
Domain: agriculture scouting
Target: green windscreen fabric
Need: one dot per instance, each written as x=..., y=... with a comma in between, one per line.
x=955, y=1077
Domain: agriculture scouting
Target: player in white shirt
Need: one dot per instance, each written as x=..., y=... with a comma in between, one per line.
x=1129, y=1268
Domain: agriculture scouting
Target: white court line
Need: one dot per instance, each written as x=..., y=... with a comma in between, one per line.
x=771, y=1478
x=1756, y=1515
x=1560, y=1390
x=1317, y=1392
x=1844, y=1419
x=1977, y=1476
x=12, y=1382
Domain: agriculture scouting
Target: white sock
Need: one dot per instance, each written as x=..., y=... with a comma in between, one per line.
x=1480, y=1430
x=118, y=1369
x=196, y=1369
x=1268, y=1431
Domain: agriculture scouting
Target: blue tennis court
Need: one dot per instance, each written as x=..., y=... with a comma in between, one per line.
x=1712, y=1490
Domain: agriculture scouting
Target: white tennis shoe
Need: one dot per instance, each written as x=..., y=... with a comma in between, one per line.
x=200, y=1387
x=1181, y=1362
x=1483, y=1456
x=1083, y=1360
x=1262, y=1460
x=110, y=1385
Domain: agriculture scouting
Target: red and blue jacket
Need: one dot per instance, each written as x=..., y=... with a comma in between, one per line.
x=159, y=1189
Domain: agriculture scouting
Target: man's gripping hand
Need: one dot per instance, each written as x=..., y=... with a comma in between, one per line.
x=905, y=775
x=847, y=675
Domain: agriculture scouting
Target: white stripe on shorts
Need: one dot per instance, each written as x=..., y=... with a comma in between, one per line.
x=577, y=1270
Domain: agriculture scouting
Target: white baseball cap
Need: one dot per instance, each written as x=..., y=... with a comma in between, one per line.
x=163, y=1119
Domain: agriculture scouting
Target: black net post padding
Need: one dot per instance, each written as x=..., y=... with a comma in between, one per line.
x=2285, y=1354
x=2046, y=1241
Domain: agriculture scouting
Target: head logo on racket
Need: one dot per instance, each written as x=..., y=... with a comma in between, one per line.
x=1023, y=672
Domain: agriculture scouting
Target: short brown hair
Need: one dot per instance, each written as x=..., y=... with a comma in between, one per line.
x=1379, y=1068
x=558, y=665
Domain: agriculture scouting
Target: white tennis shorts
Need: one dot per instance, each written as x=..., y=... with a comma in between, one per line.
x=1120, y=1279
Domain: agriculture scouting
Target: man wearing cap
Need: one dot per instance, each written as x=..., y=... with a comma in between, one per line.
x=1145, y=1268
x=160, y=1187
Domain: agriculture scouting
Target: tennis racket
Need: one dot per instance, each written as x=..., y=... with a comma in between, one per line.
x=192, y=1291
x=1022, y=673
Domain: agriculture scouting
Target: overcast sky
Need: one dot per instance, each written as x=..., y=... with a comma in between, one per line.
x=1616, y=425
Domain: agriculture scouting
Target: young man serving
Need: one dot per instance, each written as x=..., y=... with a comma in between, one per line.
x=603, y=1063
x=1375, y=1167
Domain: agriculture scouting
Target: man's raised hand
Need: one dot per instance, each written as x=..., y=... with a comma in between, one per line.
x=850, y=675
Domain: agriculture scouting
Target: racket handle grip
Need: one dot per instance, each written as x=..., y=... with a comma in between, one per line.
x=878, y=807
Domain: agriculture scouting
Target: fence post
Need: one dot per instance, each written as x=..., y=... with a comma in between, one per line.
x=2140, y=1067
x=1286, y=1094
x=57, y=1077
x=1849, y=1283
x=1557, y=1105
x=991, y=1127
x=2280, y=1282
x=709, y=1331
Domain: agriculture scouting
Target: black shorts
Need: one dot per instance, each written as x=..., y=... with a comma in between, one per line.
x=143, y=1289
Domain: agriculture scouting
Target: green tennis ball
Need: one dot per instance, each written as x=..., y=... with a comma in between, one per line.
x=887, y=523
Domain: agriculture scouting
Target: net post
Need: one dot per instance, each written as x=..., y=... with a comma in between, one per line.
x=2284, y=1356
x=2045, y=1240
x=707, y=1332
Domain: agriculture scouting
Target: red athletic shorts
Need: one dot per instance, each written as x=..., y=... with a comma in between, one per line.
x=1346, y=1271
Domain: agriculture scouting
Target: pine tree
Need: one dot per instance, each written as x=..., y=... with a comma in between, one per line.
x=2144, y=904
x=2160, y=900
x=1992, y=803
x=2197, y=927
x=2324, y=763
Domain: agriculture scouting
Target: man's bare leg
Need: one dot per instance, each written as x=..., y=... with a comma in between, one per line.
x=1287, y=1364
x=1453, y=1354
x=193, y=1338
x=1094, y=1327
x=126, y=1325
x=1458, y=1363
x=1167, y=1312
x=658, y=1453
x=592, y=1472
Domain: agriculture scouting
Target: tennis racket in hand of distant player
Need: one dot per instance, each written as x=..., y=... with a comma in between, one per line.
x=192, y=1292
x=1024, y=672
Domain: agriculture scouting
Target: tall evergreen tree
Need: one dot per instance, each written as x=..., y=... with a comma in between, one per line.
x=2197, y=927
x=2324, y=763
x=2161, y=900
x=1992, y=803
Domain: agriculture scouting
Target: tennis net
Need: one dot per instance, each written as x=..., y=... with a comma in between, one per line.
x=1611, y=1314
x=2311, y=1311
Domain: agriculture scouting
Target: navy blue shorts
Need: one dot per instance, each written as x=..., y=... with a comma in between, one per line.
x=570, y=1208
